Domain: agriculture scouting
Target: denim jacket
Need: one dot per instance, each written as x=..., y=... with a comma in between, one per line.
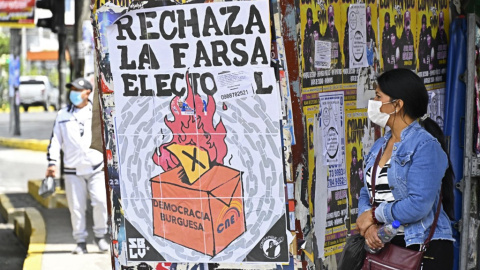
x=417, y=166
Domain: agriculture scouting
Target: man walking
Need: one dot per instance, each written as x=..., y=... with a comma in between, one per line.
x=83, y=166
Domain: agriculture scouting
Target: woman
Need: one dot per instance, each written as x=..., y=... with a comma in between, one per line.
x=413, y=170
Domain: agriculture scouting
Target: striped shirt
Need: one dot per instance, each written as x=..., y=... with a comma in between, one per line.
x=382, y=189
x=383, y=193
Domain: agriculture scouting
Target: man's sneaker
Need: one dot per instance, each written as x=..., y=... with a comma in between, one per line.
x=80, y=249
x=102, y=244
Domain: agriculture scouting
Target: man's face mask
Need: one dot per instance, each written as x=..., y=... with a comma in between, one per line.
x=76, y=97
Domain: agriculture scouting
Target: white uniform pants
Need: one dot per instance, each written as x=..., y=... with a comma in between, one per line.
x=78, y=187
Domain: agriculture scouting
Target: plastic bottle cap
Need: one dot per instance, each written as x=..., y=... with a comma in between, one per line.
x=396, y=224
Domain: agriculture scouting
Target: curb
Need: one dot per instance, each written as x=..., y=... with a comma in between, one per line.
x=8, y=211
x=30, y=144
x=29, y=227
x=36, y=230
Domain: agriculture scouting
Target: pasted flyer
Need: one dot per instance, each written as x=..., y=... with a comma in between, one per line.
x=357, y=36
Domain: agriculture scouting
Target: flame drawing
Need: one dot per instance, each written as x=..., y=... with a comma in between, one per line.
x=195, y=129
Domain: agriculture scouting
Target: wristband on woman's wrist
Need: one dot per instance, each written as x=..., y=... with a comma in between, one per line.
x=375, y=220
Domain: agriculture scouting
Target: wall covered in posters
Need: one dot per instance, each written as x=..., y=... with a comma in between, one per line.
x=162, y=96
x=392, y=34
x=432, y=22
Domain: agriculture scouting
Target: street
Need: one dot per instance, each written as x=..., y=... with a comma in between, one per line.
x=33, y=125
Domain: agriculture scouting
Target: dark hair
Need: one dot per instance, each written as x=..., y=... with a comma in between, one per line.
x=404, y=84
x=428, y=31
x=316, y=27
x=309, y=13
x=393, y=30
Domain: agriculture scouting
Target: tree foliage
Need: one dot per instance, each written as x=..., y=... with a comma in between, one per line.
x=4, y=44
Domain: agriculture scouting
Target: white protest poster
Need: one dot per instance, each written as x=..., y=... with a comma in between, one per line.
x=323, y=54
x=198, y=134
x=333, y=127
x=331, y=205
x=358, y=36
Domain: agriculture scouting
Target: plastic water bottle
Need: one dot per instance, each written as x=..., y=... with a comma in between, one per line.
x=385, y=233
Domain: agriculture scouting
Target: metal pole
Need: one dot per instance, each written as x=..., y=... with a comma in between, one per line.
x=16, y=111
x=468, y=152
x=62, y=68
x=62, y=73
x=15, y=44
x=62, y=64
x=82, y=12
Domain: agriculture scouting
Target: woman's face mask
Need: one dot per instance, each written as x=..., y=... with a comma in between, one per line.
x=375, y=115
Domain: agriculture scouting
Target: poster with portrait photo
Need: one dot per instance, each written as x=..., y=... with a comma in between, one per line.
x=319, y=25
x=337, y=213
x=356, y=127
x=432, y=23
x=397, y=34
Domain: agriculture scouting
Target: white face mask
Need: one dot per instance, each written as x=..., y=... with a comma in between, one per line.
x=375, y=115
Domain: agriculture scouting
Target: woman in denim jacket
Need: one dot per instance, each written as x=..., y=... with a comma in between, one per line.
x=414, y=169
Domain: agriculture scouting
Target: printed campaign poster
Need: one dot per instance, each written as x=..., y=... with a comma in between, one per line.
x=432, y=24
x=337, y=212
x=398, y=33
x=198, y=131
x=356, y=127
x=436, y=106
x=319, y=27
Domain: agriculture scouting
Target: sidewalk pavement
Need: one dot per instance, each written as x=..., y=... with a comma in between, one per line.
x=43, y=225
